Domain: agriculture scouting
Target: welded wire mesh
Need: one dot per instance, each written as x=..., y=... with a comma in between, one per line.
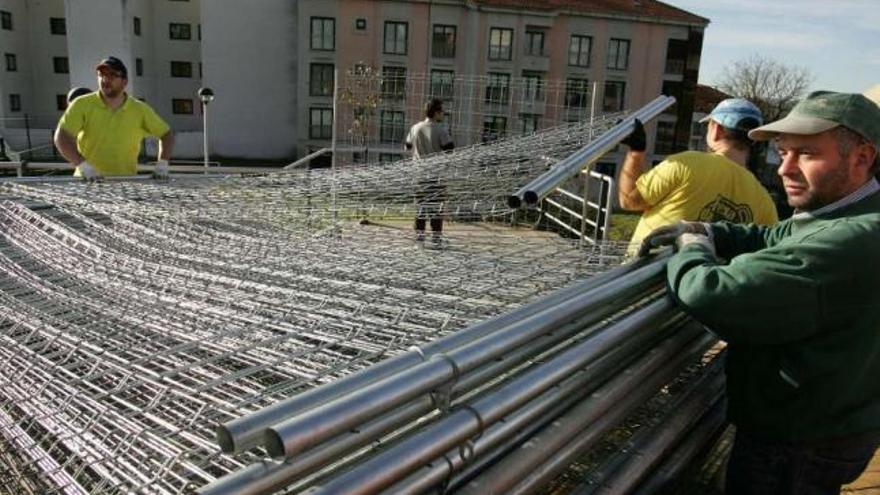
x=375, y=107
x=138, y=315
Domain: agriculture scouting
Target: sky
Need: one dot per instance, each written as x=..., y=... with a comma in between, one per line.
x=838, y=41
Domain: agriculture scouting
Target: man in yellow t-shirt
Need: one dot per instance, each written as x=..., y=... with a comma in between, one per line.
x=101, y=132
x=698, y=186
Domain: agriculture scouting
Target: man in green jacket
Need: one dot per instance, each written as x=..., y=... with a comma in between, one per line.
x=798, y=304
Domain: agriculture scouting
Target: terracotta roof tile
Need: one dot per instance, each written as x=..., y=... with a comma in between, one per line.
x=706, y=97
x=638, y=8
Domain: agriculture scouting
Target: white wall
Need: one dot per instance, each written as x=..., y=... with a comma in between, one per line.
x=20, y=81
x=250, y=62
x=96, y=29
x=165, y=50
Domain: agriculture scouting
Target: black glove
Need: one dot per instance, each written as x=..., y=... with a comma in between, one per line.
x=669, y=235
x=637, y=141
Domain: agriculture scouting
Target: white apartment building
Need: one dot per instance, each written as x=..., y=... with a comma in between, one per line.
x=50, y=46
x=270, y=62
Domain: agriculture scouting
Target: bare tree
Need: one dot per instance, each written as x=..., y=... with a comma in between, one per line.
x=773, y=86
x=360, y=90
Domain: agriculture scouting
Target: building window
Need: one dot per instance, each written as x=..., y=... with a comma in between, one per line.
x=137, y=26
x=138, y=66
x=533, y=87
x=395, y=38
x=500, y=40
x=675, y=89
x=182, y=106
x=11, y=62
x=494, y=127
x=14, y=102
x=618, y=54
x=497, y=88
x=61, y=102
x=443, y=45
x=529, y=123
x=676, y=55
x=393, y=83
x=181, y=69
x=442, y=85
x=577, y=93
x=360, y=24
x=391, y=126
x=179, y=31
x=665, y=141
x=57, y=25
x=320, y=123
x=60, y=65
x=6, y=23
x=579, y=50
x=535, y=43
x=612, y=100
x=323, y=33
x=321, y=80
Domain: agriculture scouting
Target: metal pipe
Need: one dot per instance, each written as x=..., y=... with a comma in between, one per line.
x=548, y=454
x=246, y=432
x=696, y=441
x=543, y=185
x=397, y=462
x=265, y=477
x=298, y=433
x=539, y=188
x=650, y=445
x=505, y=435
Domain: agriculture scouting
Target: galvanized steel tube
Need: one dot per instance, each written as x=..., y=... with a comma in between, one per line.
x=532, y=192
x=246, y=432
x=527, y=470
x=267, y=476
x=397, y=462
x=334, y=417
x=504, y=435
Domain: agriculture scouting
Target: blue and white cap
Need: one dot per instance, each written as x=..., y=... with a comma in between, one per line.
x=731, y=112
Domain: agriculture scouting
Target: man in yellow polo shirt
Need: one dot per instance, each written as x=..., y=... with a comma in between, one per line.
x=698, y=186
x=101, y=132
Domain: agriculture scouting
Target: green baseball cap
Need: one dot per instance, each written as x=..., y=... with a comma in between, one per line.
x=824, y=110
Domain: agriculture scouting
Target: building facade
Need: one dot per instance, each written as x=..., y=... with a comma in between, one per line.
x=502, y=68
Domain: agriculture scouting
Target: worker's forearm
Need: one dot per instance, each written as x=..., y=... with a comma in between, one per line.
x=66, y=145
x=627, y=193
x=166, y=146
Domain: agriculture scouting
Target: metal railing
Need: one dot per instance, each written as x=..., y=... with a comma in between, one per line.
x=588, y=220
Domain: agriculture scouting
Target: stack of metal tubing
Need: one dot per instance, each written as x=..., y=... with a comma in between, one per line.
x=500, y=407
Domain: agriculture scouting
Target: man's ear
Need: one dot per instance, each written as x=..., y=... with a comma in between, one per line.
x=864, y=157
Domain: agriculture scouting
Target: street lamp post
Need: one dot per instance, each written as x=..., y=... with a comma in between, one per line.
x=207, y=96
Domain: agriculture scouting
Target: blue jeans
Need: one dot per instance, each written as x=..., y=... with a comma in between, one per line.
x=760, y=467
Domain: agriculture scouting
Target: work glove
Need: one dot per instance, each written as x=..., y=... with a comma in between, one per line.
x=637, y=141
x=88, y=172
x=161, y=170
x=679, y=234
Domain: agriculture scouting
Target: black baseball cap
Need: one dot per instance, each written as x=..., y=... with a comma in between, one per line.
x=113, y=64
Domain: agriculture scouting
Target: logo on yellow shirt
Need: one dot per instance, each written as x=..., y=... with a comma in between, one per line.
x=722, y=208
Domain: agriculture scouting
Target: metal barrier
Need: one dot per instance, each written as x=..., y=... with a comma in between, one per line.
x=591, y=229
x=560, y=362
